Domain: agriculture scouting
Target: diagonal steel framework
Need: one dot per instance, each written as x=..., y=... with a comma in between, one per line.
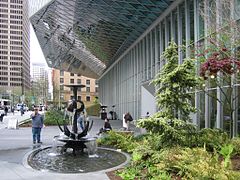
x=87, y=36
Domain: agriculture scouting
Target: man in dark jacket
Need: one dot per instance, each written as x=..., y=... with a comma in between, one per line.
x=37, y=124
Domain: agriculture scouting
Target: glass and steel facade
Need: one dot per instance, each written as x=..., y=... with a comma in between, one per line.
x=121, y=43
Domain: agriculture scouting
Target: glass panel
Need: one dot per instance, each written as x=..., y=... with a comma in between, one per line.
x=175, y=19
x=191, y=10
x=182, y=15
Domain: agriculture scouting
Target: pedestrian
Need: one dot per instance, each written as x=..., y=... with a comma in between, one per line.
x=12, y=110
x=6, y=110
x=106, y=127
x=22, y=110
x=128, y=118
x=80, y=120
x=37, y=124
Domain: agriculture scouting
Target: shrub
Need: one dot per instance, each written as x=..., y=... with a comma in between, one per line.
x=212, y=138
x=236, y=146
x=119, y=140
x=52, y=116
x=93, y=110
x=172, y=132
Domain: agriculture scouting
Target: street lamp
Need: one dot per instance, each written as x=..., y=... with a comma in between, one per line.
x=22, y=75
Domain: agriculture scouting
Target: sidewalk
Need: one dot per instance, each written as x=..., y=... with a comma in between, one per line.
x=16, y=144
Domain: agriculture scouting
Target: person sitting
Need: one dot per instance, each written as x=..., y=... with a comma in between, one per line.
x=106, y=127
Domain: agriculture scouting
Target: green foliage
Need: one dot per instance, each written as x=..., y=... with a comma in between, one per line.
x=236, y=145
x=178, y=162
x=212, y=138
x=119, y=140
x=93, y=110
x=194, y=163
x=170, y=132
x=52, y=116
x=173, y=84
x=226, y=152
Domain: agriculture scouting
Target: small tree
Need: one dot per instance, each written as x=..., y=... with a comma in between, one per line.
x=174, y=84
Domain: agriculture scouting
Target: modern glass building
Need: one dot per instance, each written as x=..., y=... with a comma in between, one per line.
x=121, y=42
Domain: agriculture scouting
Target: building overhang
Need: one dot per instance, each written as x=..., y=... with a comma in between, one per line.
x=87, y=36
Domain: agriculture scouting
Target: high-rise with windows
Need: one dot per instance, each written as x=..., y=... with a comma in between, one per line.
x=14, y=46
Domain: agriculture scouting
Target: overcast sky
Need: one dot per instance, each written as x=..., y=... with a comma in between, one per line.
x=36, y=55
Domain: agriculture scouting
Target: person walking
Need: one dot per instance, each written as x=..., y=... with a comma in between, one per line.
x=37, y=124
x=6, y=110
x=21, y=110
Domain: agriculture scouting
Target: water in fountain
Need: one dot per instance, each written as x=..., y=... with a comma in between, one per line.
x=81, y=163
x=54, y=147
x=92, y=147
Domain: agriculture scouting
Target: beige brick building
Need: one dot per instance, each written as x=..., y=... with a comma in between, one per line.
x=61, y=93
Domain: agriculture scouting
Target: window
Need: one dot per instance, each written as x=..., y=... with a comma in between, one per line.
x=79, y=81
x=79, y=98
x=61, y=80
x=79, y=75
x=96, y=82
x=61, y=88
x=72, y=97
x=61, y=73
x=71, y=74
x=88, y=81
x=88, y=89
x=72, y=81
x=96, y=89
x=88, y=98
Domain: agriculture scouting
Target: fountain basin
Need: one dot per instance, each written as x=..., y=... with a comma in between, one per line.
x=106, y=160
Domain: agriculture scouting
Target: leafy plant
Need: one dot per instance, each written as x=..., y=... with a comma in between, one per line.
x=170, y=132
x=52, y=116
x=212, y=138
x=173, y=84
x=226, y=152
x=123, y=141
x=236, y=145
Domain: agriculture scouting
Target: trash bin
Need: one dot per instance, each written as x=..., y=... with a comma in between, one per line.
x=103, y=112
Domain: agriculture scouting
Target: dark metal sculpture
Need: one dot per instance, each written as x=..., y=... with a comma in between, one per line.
x=76, y=140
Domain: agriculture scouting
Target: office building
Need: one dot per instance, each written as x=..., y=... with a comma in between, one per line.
x=14, y=47
x=121, y=42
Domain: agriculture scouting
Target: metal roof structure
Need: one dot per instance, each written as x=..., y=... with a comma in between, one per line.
x=87, y=36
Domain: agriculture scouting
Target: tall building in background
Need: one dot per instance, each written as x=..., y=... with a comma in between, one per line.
x=14, y=47
x=39, y=71
x=39, y=83
x=61, y=93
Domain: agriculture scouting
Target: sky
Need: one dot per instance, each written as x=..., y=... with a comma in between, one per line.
x=36, y=55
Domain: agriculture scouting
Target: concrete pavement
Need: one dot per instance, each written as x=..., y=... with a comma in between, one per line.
x=15, y=145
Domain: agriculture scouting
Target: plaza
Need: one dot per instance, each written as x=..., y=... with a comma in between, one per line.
x=188, y=48
x=15, y=146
